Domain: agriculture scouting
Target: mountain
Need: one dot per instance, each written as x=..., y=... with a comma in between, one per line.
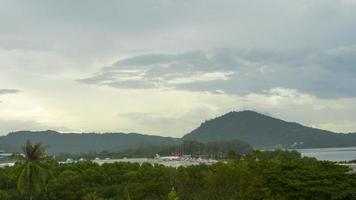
x=85, y=142
x=263, y=131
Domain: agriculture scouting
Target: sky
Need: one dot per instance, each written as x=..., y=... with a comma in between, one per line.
x=164, y=66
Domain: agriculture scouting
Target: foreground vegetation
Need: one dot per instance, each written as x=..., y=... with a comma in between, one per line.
x=277, y=175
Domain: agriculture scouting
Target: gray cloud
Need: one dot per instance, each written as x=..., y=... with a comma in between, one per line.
x=8, y=91
x=328, y=73
x=164, y=71
x=221, y=47
x=156, y=122
x=91, y=29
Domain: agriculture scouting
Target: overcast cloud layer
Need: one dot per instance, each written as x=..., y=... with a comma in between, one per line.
x=162, y=67
x=327, y=73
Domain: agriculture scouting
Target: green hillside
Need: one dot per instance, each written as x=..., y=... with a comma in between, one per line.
x=79, y=143
x=262, y=131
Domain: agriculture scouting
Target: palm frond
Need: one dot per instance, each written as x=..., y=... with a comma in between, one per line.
x=32, y=178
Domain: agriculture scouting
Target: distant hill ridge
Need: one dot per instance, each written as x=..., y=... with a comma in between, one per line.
x=263, y=131
x=259, y=130
x=85, y=142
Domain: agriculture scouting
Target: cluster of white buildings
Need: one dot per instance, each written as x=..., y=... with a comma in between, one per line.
x=171, y=161
x=4, y=155
x=4, y=162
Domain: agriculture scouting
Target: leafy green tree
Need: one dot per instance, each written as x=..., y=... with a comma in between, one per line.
x=233, y=155
x=268, y=175
x=69, y=184
x=128, y=196
x=172, y=195
x=4, y=195
x=92, y=196
x=32, y=178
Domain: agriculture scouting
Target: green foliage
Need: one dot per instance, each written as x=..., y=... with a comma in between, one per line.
x=269, y=175
x=33, y=175
x=172, y=195
x=233, y=155
x=91, y=196
x=4, y=195
x=78, y=143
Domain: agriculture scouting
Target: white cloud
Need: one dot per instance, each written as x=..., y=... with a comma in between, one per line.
x=201, y=77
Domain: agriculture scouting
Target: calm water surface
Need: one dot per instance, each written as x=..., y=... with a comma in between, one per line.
x=332, y=154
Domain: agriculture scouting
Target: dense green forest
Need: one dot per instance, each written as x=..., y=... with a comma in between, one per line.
x=276, y=175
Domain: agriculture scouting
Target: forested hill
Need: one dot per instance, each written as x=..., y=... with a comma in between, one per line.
x=262, y=131
x=85, y=142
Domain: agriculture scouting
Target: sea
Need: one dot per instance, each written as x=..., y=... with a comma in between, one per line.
x=331, y=154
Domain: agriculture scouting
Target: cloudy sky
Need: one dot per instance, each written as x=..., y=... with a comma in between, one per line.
x=164, y=66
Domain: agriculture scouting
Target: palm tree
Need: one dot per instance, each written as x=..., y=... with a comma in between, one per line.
x=32, y=176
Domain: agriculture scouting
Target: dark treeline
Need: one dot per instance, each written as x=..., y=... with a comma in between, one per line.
x=216, y=150
x=259, y=175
